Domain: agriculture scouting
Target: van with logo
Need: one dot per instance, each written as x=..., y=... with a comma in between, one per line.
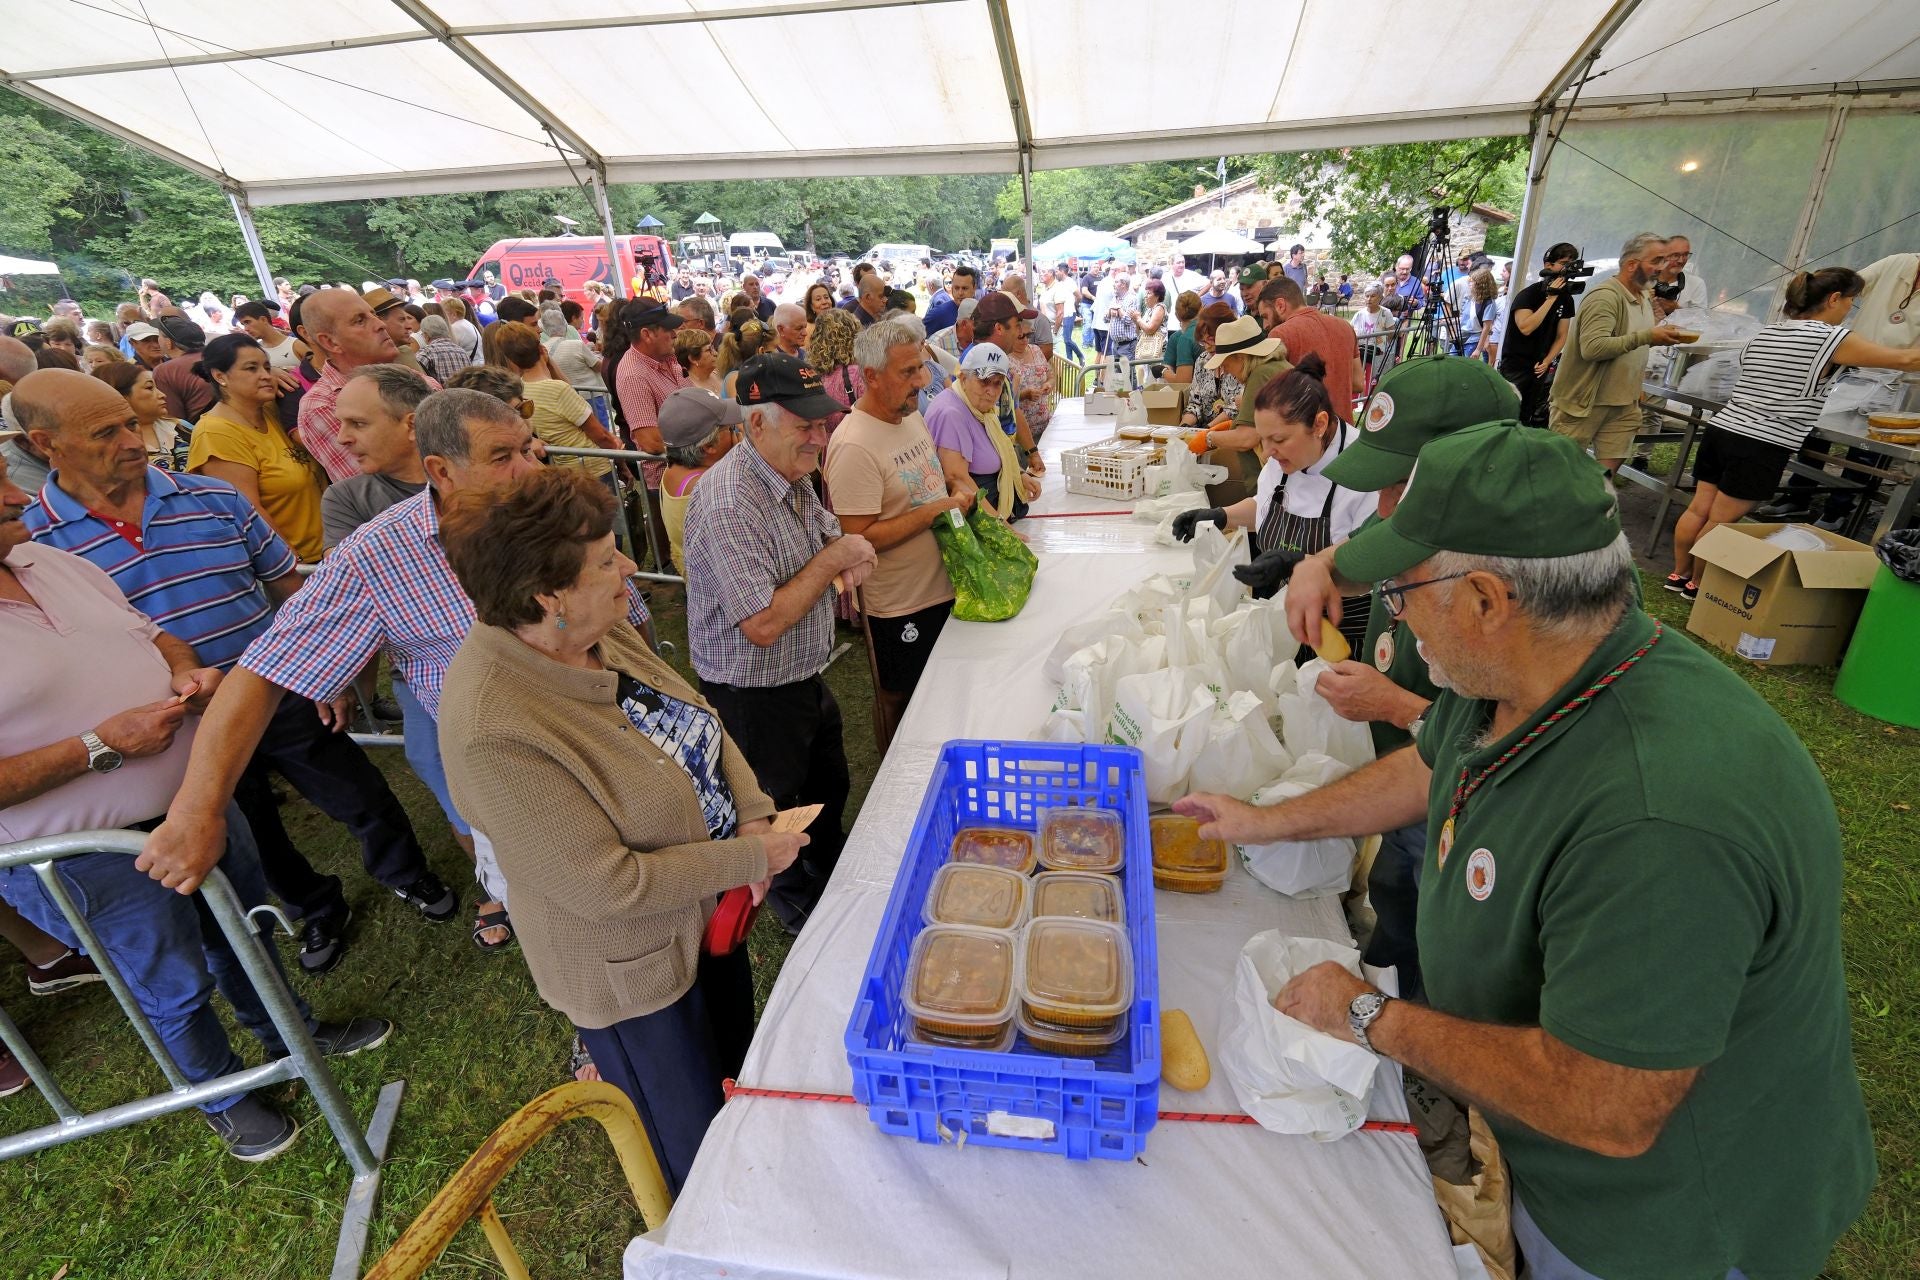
x=574, y=260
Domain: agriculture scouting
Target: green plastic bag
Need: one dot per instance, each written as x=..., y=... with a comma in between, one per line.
x=991, y=569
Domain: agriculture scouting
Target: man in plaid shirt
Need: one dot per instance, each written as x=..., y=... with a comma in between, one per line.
x=386, y=586
x=763, y=558
x=339, y=324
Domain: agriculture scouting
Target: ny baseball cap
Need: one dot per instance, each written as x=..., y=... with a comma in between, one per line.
x=788, y=381
x=1493, y=489
x=140, y=332
x=984, y=360
x=690, y=415
x=1416, y=401
x=998, y=308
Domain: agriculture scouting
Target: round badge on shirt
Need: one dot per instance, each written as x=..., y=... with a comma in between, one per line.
x=1383, y=652
x=1480, y=875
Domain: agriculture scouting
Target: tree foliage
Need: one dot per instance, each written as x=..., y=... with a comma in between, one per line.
x=1377, y=199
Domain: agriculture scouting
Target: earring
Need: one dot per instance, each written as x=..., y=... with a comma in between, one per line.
x=559, y=622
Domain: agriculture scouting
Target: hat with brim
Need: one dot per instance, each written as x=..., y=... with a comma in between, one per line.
x=691, y=415
x=1241, y=337
x=1493, y=489
x=1415, y=402
x=140, y=332
x=788, y=381
x=380, y=300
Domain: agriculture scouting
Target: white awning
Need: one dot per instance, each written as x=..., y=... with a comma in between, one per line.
x=337, y=99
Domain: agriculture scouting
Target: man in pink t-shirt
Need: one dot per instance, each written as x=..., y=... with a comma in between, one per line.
x=1283, y=305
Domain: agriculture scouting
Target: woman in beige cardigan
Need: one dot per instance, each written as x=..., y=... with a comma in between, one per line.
x=619, y=806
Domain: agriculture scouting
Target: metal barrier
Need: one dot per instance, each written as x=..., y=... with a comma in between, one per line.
x=303, y=1061
x=469, y=1193
x=662, y=564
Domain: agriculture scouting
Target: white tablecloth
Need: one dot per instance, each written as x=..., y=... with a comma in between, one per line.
x=786, y=1188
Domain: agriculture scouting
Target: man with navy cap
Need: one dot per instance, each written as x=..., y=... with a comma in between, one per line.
x=1630, y=907
x=764, y=559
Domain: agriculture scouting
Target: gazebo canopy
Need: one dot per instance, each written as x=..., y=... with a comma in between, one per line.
x=337, y=99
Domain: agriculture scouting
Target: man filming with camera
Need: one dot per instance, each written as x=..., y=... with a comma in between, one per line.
x=1596, y=393
x=1537, y=323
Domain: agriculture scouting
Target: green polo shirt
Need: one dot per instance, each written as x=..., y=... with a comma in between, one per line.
x=1656, y=882
x=1260, y=371
x=1390, y=647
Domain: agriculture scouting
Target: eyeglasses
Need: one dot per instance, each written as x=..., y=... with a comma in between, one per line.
x=1394, y=594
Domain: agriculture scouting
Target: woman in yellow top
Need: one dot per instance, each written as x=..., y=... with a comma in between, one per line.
x=560, y=415
x=240, y=440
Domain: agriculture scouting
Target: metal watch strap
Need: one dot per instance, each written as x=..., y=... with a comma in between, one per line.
x=1360, y=1019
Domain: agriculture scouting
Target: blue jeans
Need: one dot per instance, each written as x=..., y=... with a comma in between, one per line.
x=1545, y=1262
x=1393, y=886
x=597, y=401
x=1067, y=344
x=168, y=948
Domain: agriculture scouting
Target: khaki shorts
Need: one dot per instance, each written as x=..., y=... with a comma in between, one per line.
x=1608, y=429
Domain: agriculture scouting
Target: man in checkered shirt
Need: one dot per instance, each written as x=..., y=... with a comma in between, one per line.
x=339, y=324
x=763, y=558
x=387, y=586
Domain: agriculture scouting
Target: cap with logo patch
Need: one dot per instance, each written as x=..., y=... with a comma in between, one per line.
x=1253, y=273
x=1493, y=489
x=788, y=381
x=1416, y=401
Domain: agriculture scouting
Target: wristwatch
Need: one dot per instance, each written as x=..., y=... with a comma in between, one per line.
x=1416, y=724
x=1361, y=1013
x=101, y=758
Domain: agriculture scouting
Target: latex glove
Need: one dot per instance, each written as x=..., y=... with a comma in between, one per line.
x=1269, y=571
x=1186, y=521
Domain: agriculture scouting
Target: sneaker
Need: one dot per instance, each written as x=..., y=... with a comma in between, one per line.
x=430, y=897
x=69, y=971
x=1832, y=524
x=323, y=940
x=387, y=709
x=1691, y=591
x=13, y=1076
x=252, y=1130
x=1777, y=512
x=1676, y=582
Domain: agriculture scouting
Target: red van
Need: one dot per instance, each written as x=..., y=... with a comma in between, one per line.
x=574, y=260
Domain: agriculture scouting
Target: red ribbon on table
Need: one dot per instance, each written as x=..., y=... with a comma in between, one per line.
x=733, y=1088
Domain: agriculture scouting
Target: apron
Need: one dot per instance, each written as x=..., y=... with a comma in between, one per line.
x=1309, y=535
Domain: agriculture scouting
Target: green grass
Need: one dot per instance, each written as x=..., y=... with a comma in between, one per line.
x=475, y=1042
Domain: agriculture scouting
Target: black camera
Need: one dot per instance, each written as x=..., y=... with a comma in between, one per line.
x=1573, y=277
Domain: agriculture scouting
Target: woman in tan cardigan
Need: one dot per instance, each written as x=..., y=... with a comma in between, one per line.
x=619, y=806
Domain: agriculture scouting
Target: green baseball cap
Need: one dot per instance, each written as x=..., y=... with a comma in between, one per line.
x=1253, y=273
x=1492, y=489
x=1415, y=401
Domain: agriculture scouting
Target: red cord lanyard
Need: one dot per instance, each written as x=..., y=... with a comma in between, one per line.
x=1463, y=790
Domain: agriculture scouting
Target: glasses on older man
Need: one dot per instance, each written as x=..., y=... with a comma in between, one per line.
x=1394, y=594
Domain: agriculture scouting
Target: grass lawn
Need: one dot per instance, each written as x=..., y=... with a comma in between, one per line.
x=475, y=1042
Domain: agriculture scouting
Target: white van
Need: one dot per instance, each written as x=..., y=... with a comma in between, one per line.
x=904, y=257
x=754, y=244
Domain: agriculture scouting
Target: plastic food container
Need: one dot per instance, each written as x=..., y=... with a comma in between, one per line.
x=1079, y=894
x=917, y=1034
x=1068, y=1042
x=961, y=981
x=975, y=894
x=1082, y=840
x=994, y=847
x=1076, y=973
x=1182, y=861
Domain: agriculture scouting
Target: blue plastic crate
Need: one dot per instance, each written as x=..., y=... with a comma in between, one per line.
x=1093, y=1107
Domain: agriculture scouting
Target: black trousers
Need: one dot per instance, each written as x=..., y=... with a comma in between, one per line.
x=1801, y=489
x=670, y=1062
x=1535, y=392
x=791, y=735
x=332, y=771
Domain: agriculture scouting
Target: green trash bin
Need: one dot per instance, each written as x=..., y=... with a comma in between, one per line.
x=1879, y=675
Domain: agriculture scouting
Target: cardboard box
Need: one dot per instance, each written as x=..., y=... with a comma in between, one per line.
x=1101, y=404
x=1164, y=404
x=1777, y=605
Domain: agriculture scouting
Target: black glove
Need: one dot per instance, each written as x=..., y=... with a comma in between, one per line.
x=1269, y=571
x=1185, y=522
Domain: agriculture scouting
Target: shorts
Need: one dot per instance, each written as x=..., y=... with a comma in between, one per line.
x=901, y=645
x=1608, y=429
x=1739, y=466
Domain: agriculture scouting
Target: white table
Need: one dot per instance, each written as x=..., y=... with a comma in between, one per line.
x=787, y=1188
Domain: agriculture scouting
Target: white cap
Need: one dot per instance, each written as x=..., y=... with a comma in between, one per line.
x=984, y=360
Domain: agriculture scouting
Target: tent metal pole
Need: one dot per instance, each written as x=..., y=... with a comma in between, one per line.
x=605, y=210
x=243, y=213
x=1798, y=247
x=1026, y=220
x=1532, y=199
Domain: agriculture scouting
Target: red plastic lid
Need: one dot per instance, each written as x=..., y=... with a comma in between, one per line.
x=732, y=920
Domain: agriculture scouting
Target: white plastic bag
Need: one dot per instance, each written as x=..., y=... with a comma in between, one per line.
x=1116, y=623
x=1302, y=868
x=1215, y=556
x=1165, y=714
x=1246, y=641
x=1287, y=1076
x=1240, y=752
x=1088, y=681
x=1309, y=725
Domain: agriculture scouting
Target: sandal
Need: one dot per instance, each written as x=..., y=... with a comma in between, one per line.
x=496, y=919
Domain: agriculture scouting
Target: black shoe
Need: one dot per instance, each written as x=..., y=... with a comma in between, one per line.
x=430, y=897
x=1676, y=582
x=252, y=1130
x=323, y=940
x=387, y=709
x=1691, y=590
x=344, y=1039
x=1783, y=510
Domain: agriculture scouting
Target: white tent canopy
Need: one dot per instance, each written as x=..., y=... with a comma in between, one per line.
x=1218, y=240
x=337, y=99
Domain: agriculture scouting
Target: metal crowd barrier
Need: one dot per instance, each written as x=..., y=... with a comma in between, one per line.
x=364, y=1152
x=663, y=566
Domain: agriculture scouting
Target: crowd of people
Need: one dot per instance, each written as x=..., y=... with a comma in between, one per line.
x=218, y=525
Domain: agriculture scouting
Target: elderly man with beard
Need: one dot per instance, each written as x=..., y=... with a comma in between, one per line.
x=1629, y=918
x=1596, y=393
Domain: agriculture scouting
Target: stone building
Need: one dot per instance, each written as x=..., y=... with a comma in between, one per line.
x=1275, y=219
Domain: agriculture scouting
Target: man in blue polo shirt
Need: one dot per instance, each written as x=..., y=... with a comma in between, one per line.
x=195, y=556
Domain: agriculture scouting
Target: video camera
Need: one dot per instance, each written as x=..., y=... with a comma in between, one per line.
x=1573, y=278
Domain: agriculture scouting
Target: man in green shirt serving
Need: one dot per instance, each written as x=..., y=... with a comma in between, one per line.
x=1386, y=684
x=1629, y=918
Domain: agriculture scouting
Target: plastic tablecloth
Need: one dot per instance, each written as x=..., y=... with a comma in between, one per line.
x=786, y=1188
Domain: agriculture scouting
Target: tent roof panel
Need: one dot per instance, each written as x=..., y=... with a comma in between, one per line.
x=64, y=34
x=1695, y=46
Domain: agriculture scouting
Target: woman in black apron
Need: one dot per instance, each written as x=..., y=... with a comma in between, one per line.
x=1295, y=511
